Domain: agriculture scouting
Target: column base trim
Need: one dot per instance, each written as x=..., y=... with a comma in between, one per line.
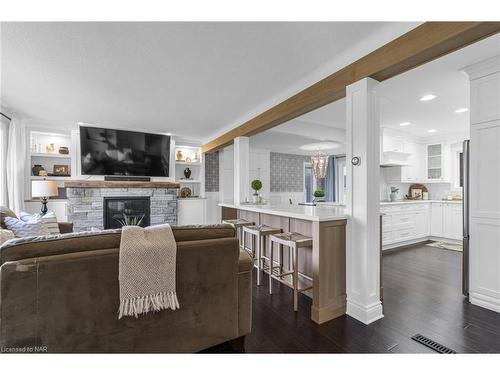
x=365, y=314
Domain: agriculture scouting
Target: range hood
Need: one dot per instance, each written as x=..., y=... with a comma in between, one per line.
x=394, y=159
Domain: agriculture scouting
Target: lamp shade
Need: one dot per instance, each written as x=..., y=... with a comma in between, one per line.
x=43, y=189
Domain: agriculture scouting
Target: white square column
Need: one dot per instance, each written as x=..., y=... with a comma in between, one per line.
x=484, y=184
x=363, y=201
x=241, y=169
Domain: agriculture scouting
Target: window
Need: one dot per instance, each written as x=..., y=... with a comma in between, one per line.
x=341, y=180
x=309, y=183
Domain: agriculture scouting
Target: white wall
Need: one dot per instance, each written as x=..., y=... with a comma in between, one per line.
x=260, y=170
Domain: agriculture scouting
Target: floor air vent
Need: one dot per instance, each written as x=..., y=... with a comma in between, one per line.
x=433, y=344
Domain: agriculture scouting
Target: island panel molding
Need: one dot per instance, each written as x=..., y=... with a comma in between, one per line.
x=425, y=43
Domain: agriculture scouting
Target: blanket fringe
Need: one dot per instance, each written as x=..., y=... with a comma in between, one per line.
x=145, y=304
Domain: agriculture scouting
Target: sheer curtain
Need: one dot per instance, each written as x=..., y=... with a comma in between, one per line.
x=16, y=160
x=4, y=133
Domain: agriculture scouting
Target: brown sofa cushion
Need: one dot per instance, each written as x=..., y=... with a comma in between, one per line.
x=5, y=212
x=31, y=247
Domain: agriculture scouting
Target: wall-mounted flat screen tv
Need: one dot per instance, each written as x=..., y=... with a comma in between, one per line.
x=123, y=153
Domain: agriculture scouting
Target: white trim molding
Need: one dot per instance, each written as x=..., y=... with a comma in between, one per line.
x=363, y=227
x=484, y=219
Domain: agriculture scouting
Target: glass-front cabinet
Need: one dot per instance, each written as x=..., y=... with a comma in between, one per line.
x=435, y=161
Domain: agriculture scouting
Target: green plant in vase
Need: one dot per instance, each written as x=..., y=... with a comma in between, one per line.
x=130, y=220
x=256, y=186
x=318, y=194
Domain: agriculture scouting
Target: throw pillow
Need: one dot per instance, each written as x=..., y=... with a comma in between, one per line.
x=23, y=229
x=6, y=235
x=49, y=220
x=5, y=212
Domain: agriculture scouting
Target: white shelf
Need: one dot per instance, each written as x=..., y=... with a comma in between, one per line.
x=47, y=155
x=188, y=163
x=190, y=181
x=50, y=178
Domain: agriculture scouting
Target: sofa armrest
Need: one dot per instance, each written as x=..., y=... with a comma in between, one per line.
x=65, y=227
x=245, y=267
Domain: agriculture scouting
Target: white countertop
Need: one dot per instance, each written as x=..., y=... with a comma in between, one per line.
x=312, y=213
x=383, y=203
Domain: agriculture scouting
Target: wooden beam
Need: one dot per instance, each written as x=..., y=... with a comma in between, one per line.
x=425, y=43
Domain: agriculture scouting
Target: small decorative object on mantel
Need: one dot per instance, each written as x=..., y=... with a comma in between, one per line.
x=188, y=160
x=60, y=170
x=50, y=148
x=187, y=173
x=185, y=192
x=179, y=156
x=256, y=186
x=36, y=169
x=394, y=193
x=63, y=150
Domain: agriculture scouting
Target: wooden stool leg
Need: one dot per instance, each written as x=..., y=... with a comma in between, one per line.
x=281, y=258
x=271, y=268
x=295, y=278
x=257, y=254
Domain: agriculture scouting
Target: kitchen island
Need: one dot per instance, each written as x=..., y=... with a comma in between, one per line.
x=324, y=262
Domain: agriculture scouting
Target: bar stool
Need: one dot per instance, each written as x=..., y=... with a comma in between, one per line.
x=259, y=235
x=294, y=242
x=238, y=225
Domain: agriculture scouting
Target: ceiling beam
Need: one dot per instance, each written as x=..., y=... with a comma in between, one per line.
x=418, y=46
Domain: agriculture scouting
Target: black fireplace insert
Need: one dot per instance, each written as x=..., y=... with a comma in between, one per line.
x=120, y=211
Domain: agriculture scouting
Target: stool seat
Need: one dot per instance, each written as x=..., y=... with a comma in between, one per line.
x=262, y=230
x=292, y=238
x=237, y=223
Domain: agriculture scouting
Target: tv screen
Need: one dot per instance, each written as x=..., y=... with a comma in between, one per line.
x=123, y=153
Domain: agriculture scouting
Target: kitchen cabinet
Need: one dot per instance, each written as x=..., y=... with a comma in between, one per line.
x=191, y=211
x=392, y=143
x=415, y=171
x=452, y=221
x=411, y=222
x=436, y=219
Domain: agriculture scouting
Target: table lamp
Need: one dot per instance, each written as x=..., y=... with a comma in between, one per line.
x=44, y=189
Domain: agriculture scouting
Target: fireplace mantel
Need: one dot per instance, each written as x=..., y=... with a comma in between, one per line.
x=98, y=184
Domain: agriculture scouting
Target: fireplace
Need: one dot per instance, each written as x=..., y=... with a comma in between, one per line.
x=119, y=211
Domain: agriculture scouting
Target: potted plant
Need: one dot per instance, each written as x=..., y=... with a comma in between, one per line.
x=394, y=193
x=317, y=195
x=256, y=186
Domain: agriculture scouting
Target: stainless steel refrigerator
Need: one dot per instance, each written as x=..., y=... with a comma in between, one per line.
x=465, y=183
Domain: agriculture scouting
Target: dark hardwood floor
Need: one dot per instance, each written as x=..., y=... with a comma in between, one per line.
x=422, y=294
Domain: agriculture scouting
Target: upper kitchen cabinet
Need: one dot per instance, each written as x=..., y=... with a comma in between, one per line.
x=415, y=170
x=392, y=152
x=436, y=161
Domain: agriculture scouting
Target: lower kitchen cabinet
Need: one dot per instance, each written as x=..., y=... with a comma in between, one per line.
x=191, y=211
x=437, y=219
x=406, y=223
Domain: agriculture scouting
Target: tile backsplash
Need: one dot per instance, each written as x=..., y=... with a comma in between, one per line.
x=287, y=172
x=212, y=172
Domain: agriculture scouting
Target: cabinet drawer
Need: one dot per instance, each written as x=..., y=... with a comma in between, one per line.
x=385, y=209
x=386, y=238
x=402, y=219
x=403, y=234
x=386, y=223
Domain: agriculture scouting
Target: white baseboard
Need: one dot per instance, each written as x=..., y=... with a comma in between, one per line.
x=365, y=314
x=482, y=300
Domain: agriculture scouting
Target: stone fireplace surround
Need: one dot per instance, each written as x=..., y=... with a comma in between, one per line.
x=86, y=198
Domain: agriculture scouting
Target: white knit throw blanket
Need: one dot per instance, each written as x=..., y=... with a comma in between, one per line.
x=147, y=270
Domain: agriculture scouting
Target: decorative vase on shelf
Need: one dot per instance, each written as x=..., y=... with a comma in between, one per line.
x=187, y=173
x=36, y=169
x=63, y=150
x=179, y=156
x=50, y=148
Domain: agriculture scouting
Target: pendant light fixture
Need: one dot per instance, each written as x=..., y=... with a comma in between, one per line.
x=319, y=164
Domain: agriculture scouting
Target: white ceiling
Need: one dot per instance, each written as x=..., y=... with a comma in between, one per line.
x=190, y=79
x=399, y=102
